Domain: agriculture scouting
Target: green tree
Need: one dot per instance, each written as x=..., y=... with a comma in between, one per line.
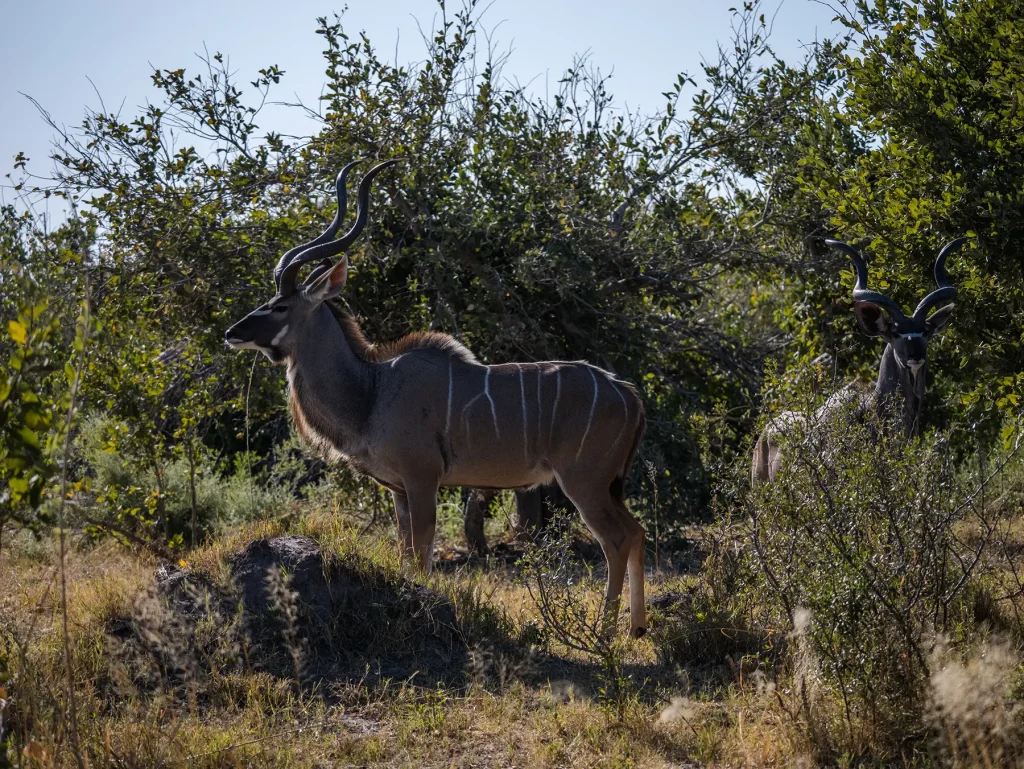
x=908, y=136
x=32, y=383
x=529, y=229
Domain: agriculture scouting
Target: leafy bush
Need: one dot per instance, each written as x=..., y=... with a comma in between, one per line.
x=872, y=548
x=180, y=502
x=572, y=610
x=30, y=401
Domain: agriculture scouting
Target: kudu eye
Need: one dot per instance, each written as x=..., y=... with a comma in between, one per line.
x=280, y=308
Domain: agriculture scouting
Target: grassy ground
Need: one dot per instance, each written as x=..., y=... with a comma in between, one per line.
x=512, y=699
x=180, y=679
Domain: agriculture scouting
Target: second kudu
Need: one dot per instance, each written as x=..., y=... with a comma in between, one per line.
x=900, y=388
x=423, y=412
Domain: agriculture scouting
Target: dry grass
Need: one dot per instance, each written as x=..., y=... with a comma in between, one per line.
x=512, y=706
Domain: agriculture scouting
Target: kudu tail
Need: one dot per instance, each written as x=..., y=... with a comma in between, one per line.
x=618, y=485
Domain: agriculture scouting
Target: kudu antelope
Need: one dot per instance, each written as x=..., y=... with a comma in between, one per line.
x=900, y=388
x=422, y=412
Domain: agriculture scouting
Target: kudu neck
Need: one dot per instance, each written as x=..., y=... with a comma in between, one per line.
x=327, y=373
x=899, y=393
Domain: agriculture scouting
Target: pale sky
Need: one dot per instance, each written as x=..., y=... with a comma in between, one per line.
x=51, y=49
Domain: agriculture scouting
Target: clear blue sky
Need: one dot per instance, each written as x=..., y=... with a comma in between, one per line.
x=50, y=49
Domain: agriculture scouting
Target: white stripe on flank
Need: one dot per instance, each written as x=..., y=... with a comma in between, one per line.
x=558, y=394
x=590, y=419
x=487, y=392
x=472, y=400
x=448, y=415
x=625, y=411
x=279, y=336
x=522, y=393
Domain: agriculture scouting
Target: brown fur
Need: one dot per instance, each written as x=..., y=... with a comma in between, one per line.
x=411, y=444
x=618, y=485
x=420, y=340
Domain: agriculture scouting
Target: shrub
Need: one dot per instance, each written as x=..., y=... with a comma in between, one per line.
x=873, y=548
x=572, y=611
x=180, y=502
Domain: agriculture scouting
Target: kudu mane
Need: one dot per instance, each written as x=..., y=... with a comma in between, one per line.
x=420, y=340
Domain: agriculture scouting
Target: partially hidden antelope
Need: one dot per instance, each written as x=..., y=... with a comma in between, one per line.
x=900, y=388
x=423, y=412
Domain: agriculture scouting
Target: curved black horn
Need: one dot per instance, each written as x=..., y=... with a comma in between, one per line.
x=861, y=292
x=335, y=247
x=946, y=291
x=326, y=235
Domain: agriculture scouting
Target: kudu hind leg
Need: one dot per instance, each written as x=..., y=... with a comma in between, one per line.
x=477, y=503
x=637, y=603
x=617, y=538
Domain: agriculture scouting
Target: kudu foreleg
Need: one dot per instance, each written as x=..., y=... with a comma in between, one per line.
x=403, y=522
x=423, y=517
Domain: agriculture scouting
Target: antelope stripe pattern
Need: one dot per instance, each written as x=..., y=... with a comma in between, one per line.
x=590, y=417
x=540, y=414
x=448, y=412
x=558, y=394
x=526, y=432
x=625, y=412
x=487, y=392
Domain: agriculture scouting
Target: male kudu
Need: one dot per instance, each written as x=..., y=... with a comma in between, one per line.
x=900, y=388
x=422, y=412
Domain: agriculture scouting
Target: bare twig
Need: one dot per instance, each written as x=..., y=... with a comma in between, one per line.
x=72, y=403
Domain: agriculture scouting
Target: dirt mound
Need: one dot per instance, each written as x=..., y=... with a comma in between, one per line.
x=287, y=609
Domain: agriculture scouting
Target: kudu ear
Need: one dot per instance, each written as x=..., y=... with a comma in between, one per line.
x=871, y=319
x=939, y=320
x=330, y=284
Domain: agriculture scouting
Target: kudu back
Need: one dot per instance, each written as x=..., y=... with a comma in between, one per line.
x=422, y=412
x=900, y=388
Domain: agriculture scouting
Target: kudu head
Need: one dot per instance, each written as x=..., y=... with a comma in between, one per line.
x=904, y=364
x=272, y=328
